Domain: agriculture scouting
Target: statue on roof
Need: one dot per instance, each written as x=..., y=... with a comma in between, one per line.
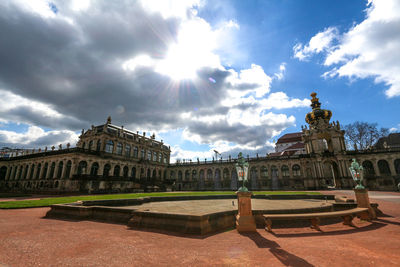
x=109, y=120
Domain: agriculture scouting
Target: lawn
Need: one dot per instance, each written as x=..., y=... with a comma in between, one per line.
x=45, y=202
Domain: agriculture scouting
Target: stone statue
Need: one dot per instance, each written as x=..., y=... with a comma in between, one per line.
x=356, y=173
x=242, y=167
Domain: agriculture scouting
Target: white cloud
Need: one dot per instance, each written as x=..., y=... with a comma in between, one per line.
x=322, y=41
x=282, y=68
x=37, y=137
x=369, y=49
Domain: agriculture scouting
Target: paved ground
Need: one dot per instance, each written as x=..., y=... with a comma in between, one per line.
x=27, y=239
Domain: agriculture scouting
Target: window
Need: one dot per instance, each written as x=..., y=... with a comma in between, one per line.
x=149, y=155
x=165, y=158
x=98, y=146
x=119, y=149
x=117, y=170
x=296, y=170
x=32, y=170
x=159, y=157
x=135, y=152
x=142, y=154
x=264, y=172
x=133, y=172
x=90, y=145
x=38, y=170
x=68, y=169
x=285, y=171
x=82, y=168
x=60, y=169
x=155, y=156
x=94, y=170
x=126, y=172
x=127, y=150
x=109, y=146
x=52, y=169
x=106, y=170
x=46, y=166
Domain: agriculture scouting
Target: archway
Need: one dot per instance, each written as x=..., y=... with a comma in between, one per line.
x=331, y=174
x=3, y=172
x=274, y=177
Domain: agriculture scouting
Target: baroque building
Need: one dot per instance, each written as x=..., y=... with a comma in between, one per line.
x=109, y=158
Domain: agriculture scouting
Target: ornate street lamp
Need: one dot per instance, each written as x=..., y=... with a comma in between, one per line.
x=242, y=168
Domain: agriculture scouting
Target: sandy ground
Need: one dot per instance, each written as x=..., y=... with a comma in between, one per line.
x=28, y=239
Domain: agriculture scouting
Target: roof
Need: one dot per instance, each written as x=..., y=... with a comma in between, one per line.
x=392, y=140
x=297, y=146
x=289, y=138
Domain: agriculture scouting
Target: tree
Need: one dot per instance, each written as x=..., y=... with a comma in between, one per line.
x=362, y=135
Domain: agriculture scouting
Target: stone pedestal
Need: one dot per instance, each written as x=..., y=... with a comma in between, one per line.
x=245, y=221
x=362, y=199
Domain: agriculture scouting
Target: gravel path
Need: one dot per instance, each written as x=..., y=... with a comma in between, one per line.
x=27, y=239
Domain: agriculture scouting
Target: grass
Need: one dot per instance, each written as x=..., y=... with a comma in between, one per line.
x=45, y=202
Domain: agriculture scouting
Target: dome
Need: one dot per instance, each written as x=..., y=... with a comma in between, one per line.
x=317, y=113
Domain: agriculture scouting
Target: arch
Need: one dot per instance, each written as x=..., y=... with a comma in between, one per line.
x=285, y=171
x=154, y=174
x=225, y=178
x=90, y=146
x=109, y=146
x=46, y=166
x=125, y=172
x=68, y=169
x=296, y=170
x=148, y=174
x=217, y=182
x=194, y=175
x=179, y=176
x=330, y=174
x=274, y=177
x=26, y=171
x=82, y=168
x=264, y=172
x=209, y=175
x=39, y=167
x=384, y=167
x=106, y=170
x=397, y=166
x=52, y=169
x=127, y=150
x=98, y=145
x=187, y=175
x=117, y=170
x=234, y=180
x=94, y=169
x=83, y=145
x=253, y=178
x=172, y=175
x=133, y=172
x=201, y=179
x=32, y=171
x=368, y=167
x=3, y=172
x=60, y=169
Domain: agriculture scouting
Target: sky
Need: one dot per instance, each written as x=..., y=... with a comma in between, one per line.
x=226, y=75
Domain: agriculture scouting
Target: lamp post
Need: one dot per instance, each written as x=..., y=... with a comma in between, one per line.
x=245, y=221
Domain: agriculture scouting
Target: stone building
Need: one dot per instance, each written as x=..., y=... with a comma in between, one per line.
x=109, y=158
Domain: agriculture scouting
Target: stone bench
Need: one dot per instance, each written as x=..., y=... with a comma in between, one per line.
x=347, y=216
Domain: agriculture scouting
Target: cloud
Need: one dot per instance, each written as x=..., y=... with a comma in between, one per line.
x=369, y=49
x=322, y=41
x=149, y=66
x=37, y=137
x=282, y=68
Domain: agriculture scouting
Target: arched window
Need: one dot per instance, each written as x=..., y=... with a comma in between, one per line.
x=3, y=172
x=52, y=169
x=106, y=170
x=109, y=146
x=26, y=171
x=133, y=173
x=32, y=171
x=225, y=174
x=117, y=170
x=83, y=145
x=135, y=152
x=179, y=176
x=187, y=175
x=397, y=166
x=127, y=150
x=296, y=170
x=149, y=155
x=142, y=154
x=126, y=172
x=165, y=158
x=154, y=174
x=119, y=149
x=383, y=167
x=209, y=174
x=264, y=172
x=94, y=169
x=82, y=167
x=159, y=157
x=46, y=166
x=285, y=171
x=141, y=173
x=368, y=169
x=90, y=145
x=172, y=175
x=148, y=174
x=98, y=146
x=39, y=167
x=60, y=169
x=68, y=169
x=154, y=156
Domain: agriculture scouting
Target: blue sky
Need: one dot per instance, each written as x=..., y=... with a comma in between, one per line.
x=203, y=75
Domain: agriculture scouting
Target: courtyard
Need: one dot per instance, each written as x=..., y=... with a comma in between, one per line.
x=29, y=239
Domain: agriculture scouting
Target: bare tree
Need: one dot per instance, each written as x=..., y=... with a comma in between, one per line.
x=362, y=135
